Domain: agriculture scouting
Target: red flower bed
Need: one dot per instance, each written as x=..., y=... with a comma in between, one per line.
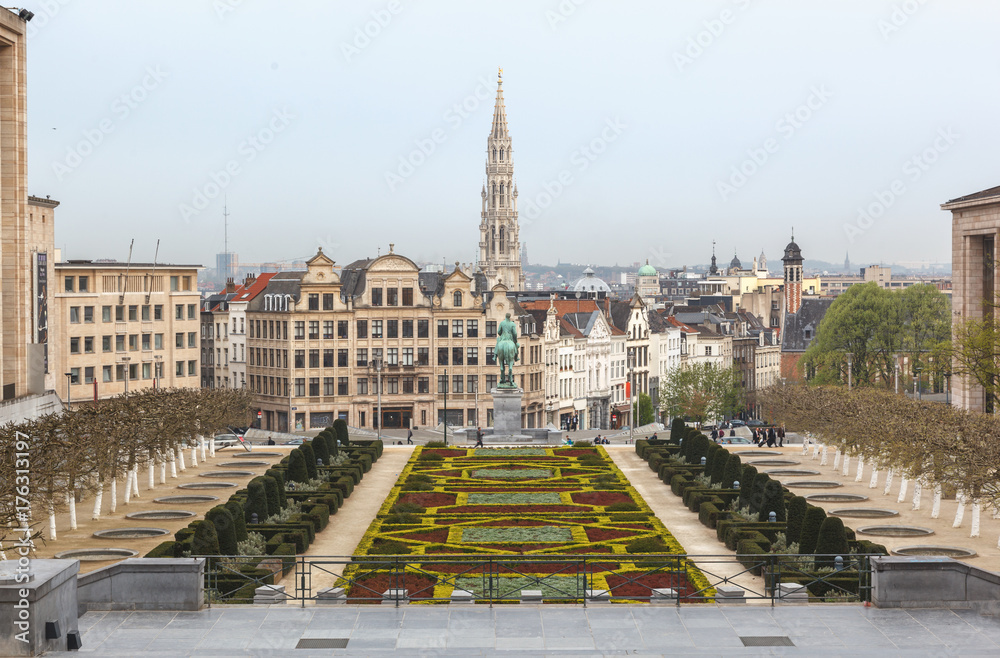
x=428, y=499
x=607, y=534
x=514, y=509
x=602, y=498
x=514, y=487
x=640, y=588
x=444, y=452
x=637, y=526
x=437, y=536
x=369, y=588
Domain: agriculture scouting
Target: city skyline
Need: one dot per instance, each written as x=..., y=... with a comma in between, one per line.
x=642, y=132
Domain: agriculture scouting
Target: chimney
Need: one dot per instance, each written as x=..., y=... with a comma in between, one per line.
x=230, y=286
x=249, y=280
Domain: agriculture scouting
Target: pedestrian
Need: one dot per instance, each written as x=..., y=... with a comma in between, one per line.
x=479, y=437
x=653, y=438
x=732, y=432
x=772, y=438
x=715, y=435
x=409, y=436
x=781, y=436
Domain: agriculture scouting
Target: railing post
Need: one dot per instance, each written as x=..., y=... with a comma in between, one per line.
x=772, y=574
x=303, y=592
x=587, y=583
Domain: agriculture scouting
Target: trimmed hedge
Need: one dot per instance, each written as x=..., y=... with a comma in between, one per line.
x=225, y=529
x=832, y=541
x=340, y=427
x=809, y=534
x=796, y=510
x=310, y=459
x=205, y=540
x=297, y=470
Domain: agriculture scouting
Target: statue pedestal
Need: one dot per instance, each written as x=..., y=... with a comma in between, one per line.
x=507, y=411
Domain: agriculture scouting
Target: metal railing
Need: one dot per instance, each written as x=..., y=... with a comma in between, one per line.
x=580, y=579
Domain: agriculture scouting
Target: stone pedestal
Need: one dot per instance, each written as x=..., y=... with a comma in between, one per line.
x=47, y=599
x=506, y=411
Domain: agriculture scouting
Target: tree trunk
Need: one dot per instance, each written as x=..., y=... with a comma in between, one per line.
x=822, y=462
x=163, y=469
x=71, y=503
x=836, y=459
x=173, y=464
x=180, y=459
x=114, y=495
x=52, y=520
x=201, y=445
x=815, y=451
x=888, y=482
x=861, y=469
x=873, y=483
x=194, y=456
x=960, y=512
x=211, y=447
x=902, y=489
x=936, y=506
x=846, y=466
x=917, y=490
x=975, y=519
x=97, y=500
x=135, y=480
x=152, y=473
x=128, y=487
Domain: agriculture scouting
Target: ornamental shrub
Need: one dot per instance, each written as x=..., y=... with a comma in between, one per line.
x=757, y=491
x=646, y=545
x=677, y=430
x=239, y=525
x=719, y=465
x=340, y=427
x=796, y=511
x=773, y=501
x=297, y=471
x=320, y=450
x=225, y=530
x=407, y=508
x=271, y=494
x=809, y=534
x=256, y=501
x=709, y=459
x=622, y=507
x=310, y=457
x=832, y=541
x=732, y=472
x=279, y=477
x=206, y=540
x=389, y=547
x=746, y=484
x=430, y=457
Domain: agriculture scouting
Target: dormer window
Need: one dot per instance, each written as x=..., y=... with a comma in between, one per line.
x=458, y=299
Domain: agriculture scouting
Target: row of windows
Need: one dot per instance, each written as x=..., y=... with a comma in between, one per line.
x=392, y=298
x=391, y=328
x=117, y=343
x=393, y=356
x=331, y=386
x=82, y=283
x=135, y=312
x=131, y=371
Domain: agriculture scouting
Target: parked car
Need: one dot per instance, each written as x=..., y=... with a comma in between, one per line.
x=294, y=442
x=757, y=423
x=223, y=441
x=736, y=422
x=735, y=440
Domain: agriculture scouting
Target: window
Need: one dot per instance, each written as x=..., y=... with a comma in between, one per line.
x=74, y=345
x=491, y=382
x=106, y=373
x=105, y=314
x=423, y=385
x=327, y=358
x=376, y=328
x=392, y=356
x=313, y=302
x=342, y=358
x=377, y=356
x=327, y=301
x=179, y=340
x=145, y=312
x=300, y=387
x=392, y=297
x=133, y=342
x=88, y=314
x=327, y=329
x=491, y=328
x=300, y=358
x=392, y=328
x=191, y=311
x=178, y=312
x=174, y=283
x=342, y=386
x=407, y=356
x=407, y=385
x=133, y=313
x=472, y=384
x=442, y=329
x=456, y=356
x=88, y=345
x=407, y=296
x=329, y=386
x=490, y=357
x=472, y=329
x=407, y=328
x=314, y=358
x=708, y=350
x=147, y=340
x=362, y=386
x=314, y=387
x=157, y=341
x=120, y=343
x=192, y=339
x=300, y=330
x=314, y=330
x=472, y=357
x=362, y=358
x=158, y=312
x=442, y=356
x=192, y=368
x=423, y=329
x=423, y=356
x=178, y=369
x=442, y=383
x=146, y=371
x=456, y=384
x=74, y=314
x=70, y=286
x=362, y=328
x=83, y=285
x=458, y=298
x=456, y=328
x=376, y=296
x=341, y=328
x=106, y=343
x=392, y=386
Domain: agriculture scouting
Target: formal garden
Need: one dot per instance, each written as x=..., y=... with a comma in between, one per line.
x=491, y=523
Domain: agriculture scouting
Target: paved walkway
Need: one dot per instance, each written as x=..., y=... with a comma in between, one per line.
x=548, y=630
x=683, y=524
x=351, y=521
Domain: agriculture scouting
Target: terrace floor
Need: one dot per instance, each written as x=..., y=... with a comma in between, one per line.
x=541, y=630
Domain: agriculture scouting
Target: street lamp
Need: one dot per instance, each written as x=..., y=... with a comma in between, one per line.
x=446, y=406
x=850, y=370
x=69, y=390
x=376, y=363
x=125, y=360
x=947, y=387
x=916, y=381
x=897, y=374
x=633, y=411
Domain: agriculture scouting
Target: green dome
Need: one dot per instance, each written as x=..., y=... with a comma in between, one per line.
x=647, y=270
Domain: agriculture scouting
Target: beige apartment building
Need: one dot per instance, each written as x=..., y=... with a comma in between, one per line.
x=319, y=343
x=123, y=327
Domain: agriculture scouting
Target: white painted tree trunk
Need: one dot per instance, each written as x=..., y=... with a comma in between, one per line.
x=152, y=473
x=917, y=490
x=71, y=503
x=97, y=501
x=194, y=456
x=173, y=464
x=201, y=445
x=903, y=482
x=805, y=447
x=976, y=509
x=888, y=482
x=861, y=469
x=836, y=459
x=822, y=462
x=846, y=466
x=960, y=512
x=180, y=460
x=52, y=520
x=163, y=470
x=135, y=480
x=211, y=447
x=815, y=451
x=114, y=496
x=936, y=506
x=873, y=483
x=128, y=487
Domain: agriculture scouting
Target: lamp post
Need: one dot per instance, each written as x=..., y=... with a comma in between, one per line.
x=850, y=370
x=633, y=411
x=69, y=390
x=897, y=374
x=125, y=360
x=916, y=381
x=947, y=387
x=446, y=406
x=378, y=382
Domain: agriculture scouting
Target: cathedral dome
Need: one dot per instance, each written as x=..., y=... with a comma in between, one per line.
x=590, y=283
x=647, y=270
x=735, y=264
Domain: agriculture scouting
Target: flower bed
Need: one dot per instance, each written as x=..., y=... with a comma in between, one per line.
x=548, y=502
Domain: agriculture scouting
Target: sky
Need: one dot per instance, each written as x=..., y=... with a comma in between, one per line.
x=642, y=130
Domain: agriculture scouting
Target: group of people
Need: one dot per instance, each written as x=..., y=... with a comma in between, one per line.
x=769, y=436
x=598, y=440
x=721, y=433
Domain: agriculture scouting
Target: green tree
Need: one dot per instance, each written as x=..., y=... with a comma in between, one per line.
x=773, y=501
x=239, y=524
x=645, y=410
x=703, y=391
x=256, y=501
x=319, y=447
x=796, y=510
x=271, y=494
x=340, y=427
x=310, y=459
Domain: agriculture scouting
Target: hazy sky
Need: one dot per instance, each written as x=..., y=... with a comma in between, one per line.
x=647, y=112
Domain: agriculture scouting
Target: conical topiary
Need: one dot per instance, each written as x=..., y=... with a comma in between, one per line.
x=810, y=529
x=271, y=493
x=310, y=459
x=746, y=485
x=280, y=479
x=757, y=493
x=831, y=542
x=225, y=530
x=297, y=471
x=205, y=540
x=239, y=524
x=719, y=465
x=330, y=436
x=677, y=430
x=732, y=472
x=796, y=510
x=773, y=501
x=340, y=426
x=319, y=449
x=256, y=502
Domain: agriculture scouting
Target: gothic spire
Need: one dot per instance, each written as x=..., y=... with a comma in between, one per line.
x=499, y=111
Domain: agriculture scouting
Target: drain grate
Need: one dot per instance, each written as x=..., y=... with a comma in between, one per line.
x=322, y=643
x=767, y=641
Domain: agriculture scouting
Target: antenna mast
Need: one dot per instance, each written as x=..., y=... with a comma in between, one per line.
x=225, y=237
x=152, y=277
x=128, y=266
